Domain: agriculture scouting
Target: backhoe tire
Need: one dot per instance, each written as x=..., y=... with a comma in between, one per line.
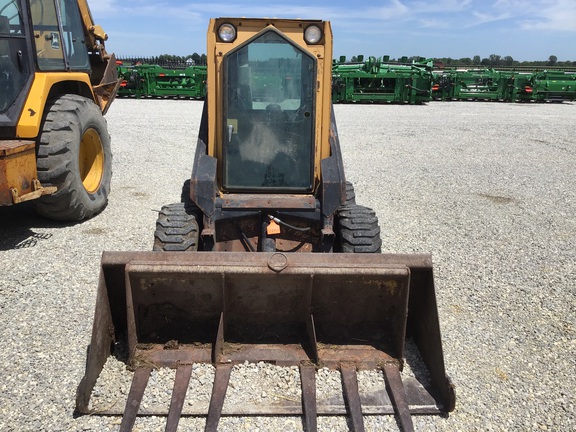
x=357, y=230
x=74, y=154
x=350, y=194
x=176, y=229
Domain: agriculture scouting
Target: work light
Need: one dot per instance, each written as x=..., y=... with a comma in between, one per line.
x=227, y=32
x=312, y=34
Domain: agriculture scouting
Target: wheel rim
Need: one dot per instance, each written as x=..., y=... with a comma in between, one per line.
x=91, y=160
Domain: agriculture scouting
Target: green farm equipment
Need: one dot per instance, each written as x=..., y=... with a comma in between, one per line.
x=376, y=80
x=504, y=85
x=473, y=84
x=156, y=81
x=132, y=83
x=550, y=86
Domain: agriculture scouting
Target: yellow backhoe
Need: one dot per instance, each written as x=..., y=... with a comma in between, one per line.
x=56, y=83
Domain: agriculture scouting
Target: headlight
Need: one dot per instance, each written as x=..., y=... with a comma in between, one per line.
x=312, y=34
x=227, y=32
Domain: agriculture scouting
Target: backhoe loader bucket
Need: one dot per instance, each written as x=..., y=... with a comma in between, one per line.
x=346, y=312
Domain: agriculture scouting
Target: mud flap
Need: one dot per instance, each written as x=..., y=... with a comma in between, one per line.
x=347, y=312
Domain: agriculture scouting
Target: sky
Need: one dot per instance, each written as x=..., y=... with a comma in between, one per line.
x=523, y=29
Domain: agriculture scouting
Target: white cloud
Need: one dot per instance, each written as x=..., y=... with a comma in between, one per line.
x=103, y=8
x=441, y=6
x=394, y=10
x=483, y=18
x=554, y=16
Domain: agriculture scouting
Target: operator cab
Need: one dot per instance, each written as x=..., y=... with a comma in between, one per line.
x=56, y=39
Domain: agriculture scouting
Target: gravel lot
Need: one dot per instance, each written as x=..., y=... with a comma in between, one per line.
x=488, y=188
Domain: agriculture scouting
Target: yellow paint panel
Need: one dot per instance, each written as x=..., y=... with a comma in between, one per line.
x=17, y=169
x=31, y=117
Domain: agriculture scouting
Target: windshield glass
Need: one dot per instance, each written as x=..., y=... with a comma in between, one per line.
x=268, y=115
x=12, y=78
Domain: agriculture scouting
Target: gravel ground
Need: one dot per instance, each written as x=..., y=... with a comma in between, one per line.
x=487, y=188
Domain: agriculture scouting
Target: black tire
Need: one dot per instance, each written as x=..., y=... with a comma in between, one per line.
x=350, y=194
x=189, y=205
x=75, y=155
x=357, y=230
x=185, y=194
x=176, y=229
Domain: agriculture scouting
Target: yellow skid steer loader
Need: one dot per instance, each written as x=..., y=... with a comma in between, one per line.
x=268, y=258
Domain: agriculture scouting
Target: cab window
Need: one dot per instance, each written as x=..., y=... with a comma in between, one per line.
x=268, y=131
x=58, y=48
x=73, y=37
x=13, y=72
x=10, y=18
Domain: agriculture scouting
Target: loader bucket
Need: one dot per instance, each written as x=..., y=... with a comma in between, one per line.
x=346, y=312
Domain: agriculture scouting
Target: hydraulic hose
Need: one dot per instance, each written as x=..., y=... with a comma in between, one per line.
x=279, y=222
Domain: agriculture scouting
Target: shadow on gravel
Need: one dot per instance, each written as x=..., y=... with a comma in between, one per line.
x=21, y=227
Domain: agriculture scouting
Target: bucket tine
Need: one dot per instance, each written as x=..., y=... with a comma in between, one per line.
x=398, y=396
x=183, y=373
x=139, y=382
x=352, y=396
x=308, y=380
x=221, y=379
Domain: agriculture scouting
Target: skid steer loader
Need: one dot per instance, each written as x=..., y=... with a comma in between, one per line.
x=268, y=258
x=56, y=83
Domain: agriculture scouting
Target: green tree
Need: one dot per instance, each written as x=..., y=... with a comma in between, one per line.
x=196, y=57
x=495, y=59
x=552, y=60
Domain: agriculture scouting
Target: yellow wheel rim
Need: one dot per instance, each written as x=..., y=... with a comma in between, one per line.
x=91, y=160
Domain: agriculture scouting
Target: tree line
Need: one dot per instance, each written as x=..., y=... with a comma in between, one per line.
x=493, y=60
x=168, y=60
